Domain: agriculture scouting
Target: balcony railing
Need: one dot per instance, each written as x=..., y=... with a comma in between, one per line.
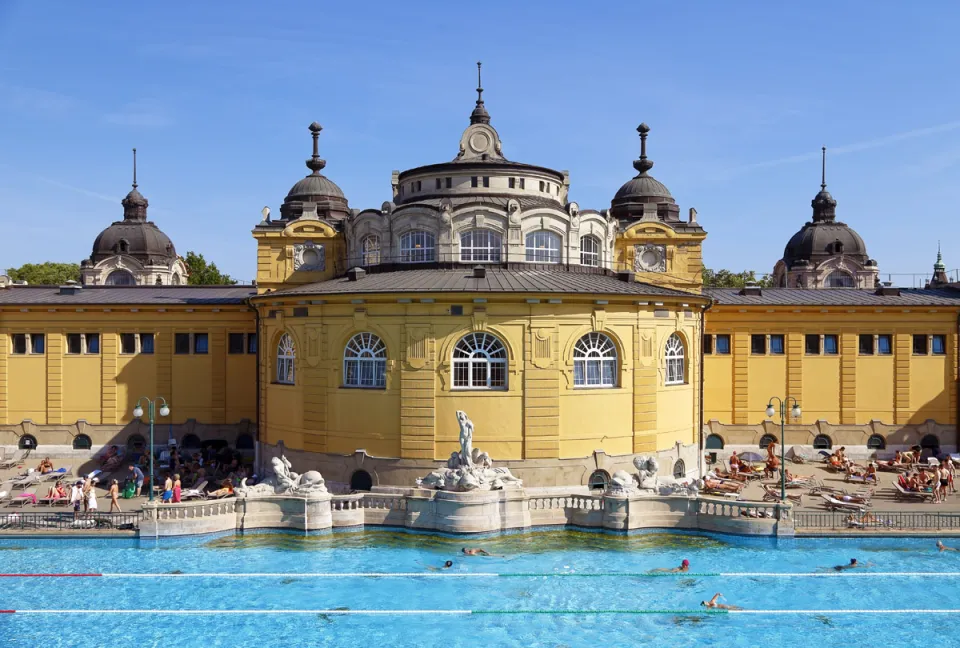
x=67, y=521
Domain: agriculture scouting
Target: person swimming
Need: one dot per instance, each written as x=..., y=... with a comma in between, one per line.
x=712, y=604
x=446, y=565
x=474, y=552
x=684, y=567
x=943, y=547
x=853, y=564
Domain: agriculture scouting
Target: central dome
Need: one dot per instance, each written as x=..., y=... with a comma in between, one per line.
x=140, y=239
x=820, y=240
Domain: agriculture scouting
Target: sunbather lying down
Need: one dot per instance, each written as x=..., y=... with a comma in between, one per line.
x=716, y=484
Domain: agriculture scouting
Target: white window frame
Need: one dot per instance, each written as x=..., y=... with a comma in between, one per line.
x=418, y=246
x=370, y=250
x=590, y=257
x=29, y=342
x=481, y=246
x=479, y=362
x=595, y=362
x=543, y=246
x=85, y=339
x=675, y=363
x=286, y=360
x=365, y=362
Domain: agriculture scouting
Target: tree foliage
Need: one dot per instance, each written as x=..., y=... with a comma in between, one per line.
x=205, y=274
x=45, y=274
x=728, y=279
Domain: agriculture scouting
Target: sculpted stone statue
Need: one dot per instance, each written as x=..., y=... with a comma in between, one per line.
x=647, y=474
x=284, y=481
x=469, y=469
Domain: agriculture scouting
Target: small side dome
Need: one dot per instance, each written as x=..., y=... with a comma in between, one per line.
x=316, y=188
x=628, y=203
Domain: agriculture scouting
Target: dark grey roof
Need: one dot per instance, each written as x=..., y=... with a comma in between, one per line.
x=497, y=280
x=133, y=295
x=835, y=297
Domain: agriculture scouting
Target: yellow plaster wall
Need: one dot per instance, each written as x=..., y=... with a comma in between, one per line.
x=684, y=263
x=81, y=396
x=275, y=253
x=27, y=388
x=820, y=397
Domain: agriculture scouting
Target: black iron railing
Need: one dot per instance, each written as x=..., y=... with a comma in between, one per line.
x=890, y=520
x=66, y=521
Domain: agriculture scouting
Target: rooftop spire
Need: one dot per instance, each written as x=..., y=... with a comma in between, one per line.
x=823, y=167
x=824, y=206
x=479, y=114
x=643, y=164
x=315, y=163
x=134, y=204
x=134, y=168
x=939, y=264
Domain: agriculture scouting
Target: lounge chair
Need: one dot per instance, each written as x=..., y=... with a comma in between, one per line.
x=197, y=492
x=833, y=504
x=10, y=462
x=860, y=479
x=59, y=473
x=22, y=499
x=904, y=494
x=771, y=495
x=25, y=481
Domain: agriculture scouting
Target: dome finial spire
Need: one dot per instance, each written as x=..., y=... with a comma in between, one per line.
x=479, y=114
x=134, y=168
x=315, y=164
x=479, y=84
x=939, y=264
x=643, y=164
x=823, y=167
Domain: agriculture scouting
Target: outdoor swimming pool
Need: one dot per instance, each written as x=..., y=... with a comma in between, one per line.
x=548, y=589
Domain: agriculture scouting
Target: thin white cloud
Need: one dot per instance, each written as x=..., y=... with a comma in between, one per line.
x=144, y=113
x=79, y=190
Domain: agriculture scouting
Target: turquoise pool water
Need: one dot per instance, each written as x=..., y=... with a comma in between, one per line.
x=541, y=589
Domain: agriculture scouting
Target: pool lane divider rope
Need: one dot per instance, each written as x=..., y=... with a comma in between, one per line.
x=830, y=574
x=342, y=612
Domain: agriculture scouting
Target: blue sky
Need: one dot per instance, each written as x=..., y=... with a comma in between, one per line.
x=740, y=97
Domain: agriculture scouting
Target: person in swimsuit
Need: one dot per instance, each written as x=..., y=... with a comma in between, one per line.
x=57, y=492
x=167, y=496
x=446, y=565
x=943, y=547
x=714, y=605
x=853, y=564
x=176, y=489
x=114, y=494
x=45, y=467
x=76, y=497
x=474, y=552
x=684, y=567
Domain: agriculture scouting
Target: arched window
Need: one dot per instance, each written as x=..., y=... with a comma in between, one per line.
x=123, y=246
x=121, y=278
x=244, y=442
x=361, y=480
x=766, y=440
x=679, y=469
x=839, y=279
x=714, y=442
x=286, y=359
x=931, y=442
x=191, y=441
x=822, y=442
x=543, y=247
x=599, y=480
x=479, y=362
x=589, y=251
x=370, y=249
x=876, y=442
x=594, y=361
x=418, y=247
x=480, y=245
x=676, y=369
x=365, y=361
x=27, y=442
x=82, y=442
x=176, y=280
x=136, y=443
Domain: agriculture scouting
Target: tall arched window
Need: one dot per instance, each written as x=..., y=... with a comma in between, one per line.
x=286, y=359
x=365, y=361
x=418, y=247
x=589, y=251
x=676, y=369
x=479, y=362
x=121, y=278
x=839, y=279
x=480, y=245
x=543, y=247
x=370, y=249
x=679, y=469
x=822, y=442
x=714, y=442
x=595, y=361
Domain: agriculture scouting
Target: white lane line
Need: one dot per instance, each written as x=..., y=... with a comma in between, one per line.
x=832, y=574
x=268, y=612
x=312, y=575
x=866, y=611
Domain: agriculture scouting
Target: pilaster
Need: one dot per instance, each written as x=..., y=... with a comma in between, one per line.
x=541, y=389
x=163, y=348
x=418, y=403
x=741, y=399
x=108, y=377
x=644, y=389
x=218, y=375
x=795, y=351
x=902, y=350
x=54, y=359
x=320, y=373
x=848, y=378
x=4, y=350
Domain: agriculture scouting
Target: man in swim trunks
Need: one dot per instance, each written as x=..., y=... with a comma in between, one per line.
x=714, y=605
x=684, y=567
x=474, y=552
x=943, y=547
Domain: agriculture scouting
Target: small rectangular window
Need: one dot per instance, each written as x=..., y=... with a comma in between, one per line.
x=146, y=343
x=74, y=343
x=811, y=344
x=920, y=345
x=449, y=182
x=251, y=342
x=37, y=343
x=300, y=311
x=128, y=343
x=456, y=310
x=181, y=343
x=708, y=344
x=548, y=187
x=200, y=343
x=474, y=181
x=19, y=343
x=884, y=344
x=939, y=344
x=541, y=185
x=486, y=181
x=722, y=344
x=512, y=183
x=419, y=185
x=93, y=342
x=758, y=344
x=235, y=343
x=439, y=183
x=776, y=344
x=523, y=183
x=831, y=345
x=866, y=344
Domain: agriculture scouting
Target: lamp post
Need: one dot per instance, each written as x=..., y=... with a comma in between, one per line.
x=151, y=410
x=795, y=413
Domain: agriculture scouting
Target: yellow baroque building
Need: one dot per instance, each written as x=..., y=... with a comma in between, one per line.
x=575, y=339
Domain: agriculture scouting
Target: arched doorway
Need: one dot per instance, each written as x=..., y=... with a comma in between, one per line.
x=361, y=480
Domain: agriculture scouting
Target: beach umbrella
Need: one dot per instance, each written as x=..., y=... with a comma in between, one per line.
x=751, y=456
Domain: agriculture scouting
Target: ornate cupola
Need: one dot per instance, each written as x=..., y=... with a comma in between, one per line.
x=316, y=195
x=939, y=272
x=643, y=189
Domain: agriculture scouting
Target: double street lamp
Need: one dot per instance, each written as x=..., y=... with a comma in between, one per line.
x=151, y=410
x=783, y=403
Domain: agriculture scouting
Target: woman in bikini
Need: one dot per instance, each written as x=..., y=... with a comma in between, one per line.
x=45, y=467
x=176, y=489
x=114, y=495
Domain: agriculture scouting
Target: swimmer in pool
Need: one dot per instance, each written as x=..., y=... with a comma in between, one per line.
x=474, y=552
x=684, y=567
x=714, y=605
x=943, y=547
x=446, y=565
x=853, y=564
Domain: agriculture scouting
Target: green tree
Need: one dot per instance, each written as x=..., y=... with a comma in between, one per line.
x=728, y=279
x=205, y=274
x=45, y=274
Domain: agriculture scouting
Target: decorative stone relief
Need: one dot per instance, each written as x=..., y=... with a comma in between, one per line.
x=284, y=481
x=309, y=256
x=650, y=481
x=469, y=469
x=650, y=258
x=513, y=210
x=542, y=347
